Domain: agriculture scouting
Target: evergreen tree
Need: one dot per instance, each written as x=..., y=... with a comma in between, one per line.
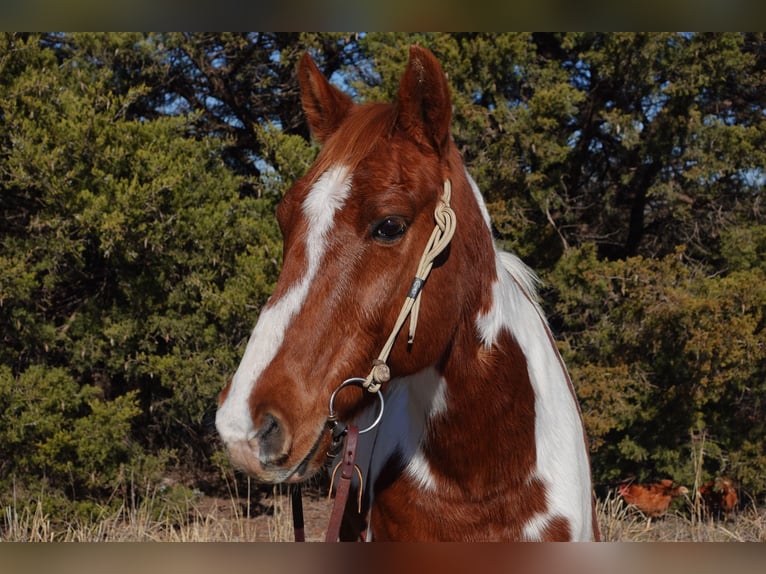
x=131, y=262
x=139, y=175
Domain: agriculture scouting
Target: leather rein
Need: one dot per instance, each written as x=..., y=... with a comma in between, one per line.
x=345, y=437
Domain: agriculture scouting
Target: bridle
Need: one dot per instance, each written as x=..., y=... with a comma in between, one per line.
x=438, y=242
x=344, y=440
x=345, y=437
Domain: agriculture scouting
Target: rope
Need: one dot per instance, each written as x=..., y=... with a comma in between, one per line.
x=440, y=238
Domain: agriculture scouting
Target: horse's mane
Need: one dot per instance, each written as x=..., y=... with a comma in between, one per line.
x=522, y=275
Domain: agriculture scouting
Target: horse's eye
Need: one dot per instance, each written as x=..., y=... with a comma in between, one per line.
x=389, y=228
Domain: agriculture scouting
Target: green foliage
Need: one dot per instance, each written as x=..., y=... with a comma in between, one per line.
x=56, y=430
x=663, y=354
x=139, y=175
x=132, y=266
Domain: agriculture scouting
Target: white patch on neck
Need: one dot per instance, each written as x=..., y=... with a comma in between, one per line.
x=410, y=403
x=419, y=470
x=562, y=461
x=534, y=529
x=325, y=198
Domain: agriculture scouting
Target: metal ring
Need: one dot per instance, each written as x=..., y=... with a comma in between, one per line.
x=356, y=381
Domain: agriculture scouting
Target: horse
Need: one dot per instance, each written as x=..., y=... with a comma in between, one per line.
x=474, y=432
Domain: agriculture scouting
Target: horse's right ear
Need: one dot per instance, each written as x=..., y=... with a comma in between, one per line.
x=424, y=104
x=325, y=105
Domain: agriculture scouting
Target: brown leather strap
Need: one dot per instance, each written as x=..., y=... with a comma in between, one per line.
x=346, y=471
x=297, y=503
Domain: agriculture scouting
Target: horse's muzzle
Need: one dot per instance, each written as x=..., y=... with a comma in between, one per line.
x=266, y=455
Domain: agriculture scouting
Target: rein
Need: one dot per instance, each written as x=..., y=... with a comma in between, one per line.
x=348, y=469
x=345, y=437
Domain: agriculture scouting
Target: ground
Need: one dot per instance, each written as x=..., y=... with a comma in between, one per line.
x=268, y=518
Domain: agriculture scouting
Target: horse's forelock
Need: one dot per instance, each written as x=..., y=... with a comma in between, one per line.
x=364, y=128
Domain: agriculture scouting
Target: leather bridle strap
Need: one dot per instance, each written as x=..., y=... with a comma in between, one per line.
x=441, y=236
x=347, y=469
x=297, y=504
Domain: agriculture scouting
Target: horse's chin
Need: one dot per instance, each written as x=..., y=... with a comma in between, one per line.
x=285, y=476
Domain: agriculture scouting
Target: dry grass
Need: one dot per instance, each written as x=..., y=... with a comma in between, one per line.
x=205, y=519
x=186, y=516
x=622, y=523
x=154, y=517
x=143, y=523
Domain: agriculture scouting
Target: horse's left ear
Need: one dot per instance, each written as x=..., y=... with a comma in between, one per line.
x=424, y=105
x=325, y=105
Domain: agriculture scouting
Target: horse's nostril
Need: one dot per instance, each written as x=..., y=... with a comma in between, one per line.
x=272, y=440
x=269, y=427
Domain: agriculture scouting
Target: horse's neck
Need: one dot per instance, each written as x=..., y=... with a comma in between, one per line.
x=499, y=367
x=499, y=414
x=558, y=424
x=486, y=387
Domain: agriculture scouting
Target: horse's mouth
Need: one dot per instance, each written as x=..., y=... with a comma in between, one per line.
x=308, y=467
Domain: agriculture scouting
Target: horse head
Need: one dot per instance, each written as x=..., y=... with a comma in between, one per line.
x=355, y=228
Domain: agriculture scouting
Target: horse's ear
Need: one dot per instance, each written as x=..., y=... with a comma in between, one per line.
x=424, y=105
x=325, y=105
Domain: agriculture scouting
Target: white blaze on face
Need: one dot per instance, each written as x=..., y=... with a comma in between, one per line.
x=325, y=198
